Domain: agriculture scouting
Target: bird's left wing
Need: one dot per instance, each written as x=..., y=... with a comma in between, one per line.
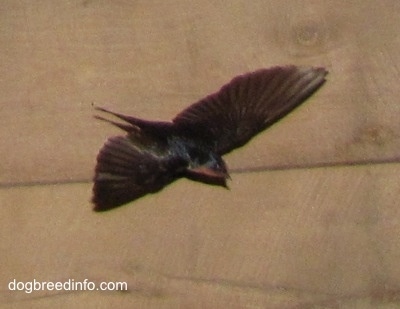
x=249, y=104
x=131, y=166
x=125, y=171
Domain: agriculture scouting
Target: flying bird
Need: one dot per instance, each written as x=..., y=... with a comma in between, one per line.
x=153, y=154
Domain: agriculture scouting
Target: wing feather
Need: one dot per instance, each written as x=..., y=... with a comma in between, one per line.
x=125, y=172
x=249, y=104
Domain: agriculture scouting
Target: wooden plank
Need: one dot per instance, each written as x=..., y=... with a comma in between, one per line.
x=151, y=59
x=284, y=239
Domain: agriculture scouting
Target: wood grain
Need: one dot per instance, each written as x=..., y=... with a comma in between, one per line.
x=311, y=220
x=59, y=59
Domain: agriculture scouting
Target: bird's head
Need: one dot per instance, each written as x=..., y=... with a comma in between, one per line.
x=212, y=171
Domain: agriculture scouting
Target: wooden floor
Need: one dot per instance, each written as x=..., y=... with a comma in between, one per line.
x=312, y=217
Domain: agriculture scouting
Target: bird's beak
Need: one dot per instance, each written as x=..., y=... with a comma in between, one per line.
x=208, y=175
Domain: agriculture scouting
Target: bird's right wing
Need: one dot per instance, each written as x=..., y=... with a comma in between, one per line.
x=249, y=104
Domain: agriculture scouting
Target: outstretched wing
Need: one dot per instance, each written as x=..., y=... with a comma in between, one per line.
x=128, y=169
x=249, y=104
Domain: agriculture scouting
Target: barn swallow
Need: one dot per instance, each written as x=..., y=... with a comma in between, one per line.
x=153, y=154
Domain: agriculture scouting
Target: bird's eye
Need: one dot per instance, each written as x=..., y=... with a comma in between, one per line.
x=220, y=167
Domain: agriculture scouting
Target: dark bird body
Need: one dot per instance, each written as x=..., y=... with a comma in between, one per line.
x=153, y=154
